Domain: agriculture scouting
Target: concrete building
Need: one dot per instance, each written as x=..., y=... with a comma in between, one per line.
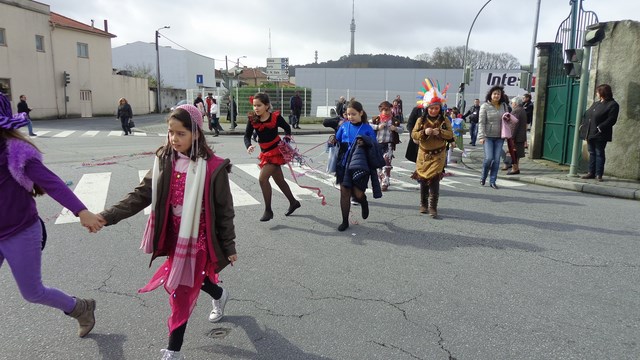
x=37, y=47
x=179, y=69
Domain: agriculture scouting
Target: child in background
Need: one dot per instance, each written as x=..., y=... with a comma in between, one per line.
x=358, y=158
x=22, y=233
x=457, y=124
x=388, y=130
x=191, y=221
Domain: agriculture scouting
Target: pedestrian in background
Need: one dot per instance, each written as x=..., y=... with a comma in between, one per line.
x=22, y=233
x=232, y=117
x=266, y=123
x=125, y=114
x=519, y=135
x=597, y=129
x=191, y=221
x=527, y=105
x=489, y=133
x=296, y=109
x=474, y=116
x=24, y=108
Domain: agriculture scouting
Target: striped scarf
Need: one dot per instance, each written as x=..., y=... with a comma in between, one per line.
x=184, y=257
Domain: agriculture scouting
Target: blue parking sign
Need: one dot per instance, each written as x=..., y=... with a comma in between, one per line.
x=199, y=79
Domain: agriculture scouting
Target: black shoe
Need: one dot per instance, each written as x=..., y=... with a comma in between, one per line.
x=268, y=215
x=483, y=181
x=365, y=208
x=494, y=186
x=343, y=226
x=33, y=134
x=292, y=208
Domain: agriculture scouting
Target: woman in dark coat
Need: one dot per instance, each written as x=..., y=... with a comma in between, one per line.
x=125, y=114
x=597, y=128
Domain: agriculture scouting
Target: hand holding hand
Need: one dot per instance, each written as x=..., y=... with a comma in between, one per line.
x=90, y=221
x=428, y=131
x=435, y=131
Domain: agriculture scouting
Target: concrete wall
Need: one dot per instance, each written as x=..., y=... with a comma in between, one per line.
x=616, y=61
x=135, y=90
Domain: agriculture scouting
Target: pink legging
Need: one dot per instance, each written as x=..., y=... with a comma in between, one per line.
x=24, y=255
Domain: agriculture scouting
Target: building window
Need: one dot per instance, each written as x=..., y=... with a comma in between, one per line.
x=5, y=87
x=3, y=38
x=83, y=50
x=40, y=43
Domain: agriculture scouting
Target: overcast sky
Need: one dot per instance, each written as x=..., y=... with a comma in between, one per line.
x=299, y=28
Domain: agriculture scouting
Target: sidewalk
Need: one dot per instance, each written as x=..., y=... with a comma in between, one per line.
x=533, y=171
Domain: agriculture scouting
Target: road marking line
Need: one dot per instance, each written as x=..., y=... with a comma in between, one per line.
x=241, y=197
x=64, y=133
x=92, y=191
x=115, y=133
x=40, y=133
x=91, y=133
x=139, y=134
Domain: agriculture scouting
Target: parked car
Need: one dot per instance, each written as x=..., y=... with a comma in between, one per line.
x=181, y=102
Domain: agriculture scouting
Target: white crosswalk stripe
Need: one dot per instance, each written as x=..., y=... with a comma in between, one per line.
x=115, y=133
x=91, y=133
x=298, y=192
x=241, y=197
x=92, y=191
x=63, y=133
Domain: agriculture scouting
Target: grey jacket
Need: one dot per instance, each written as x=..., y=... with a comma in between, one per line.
x=490, y=124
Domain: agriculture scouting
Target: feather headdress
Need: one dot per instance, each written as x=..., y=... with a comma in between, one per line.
x=431, y=94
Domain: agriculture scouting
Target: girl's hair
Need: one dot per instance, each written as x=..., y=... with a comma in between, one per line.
x=605, y=92
x=355, y=105
x=15, y=134
x=122, y=101
x=203, y=151
x=494, y=88
x=214, y=100
x=264, y=98
x=386, y=104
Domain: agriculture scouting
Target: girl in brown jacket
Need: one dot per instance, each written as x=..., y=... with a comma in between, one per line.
x=191, y=221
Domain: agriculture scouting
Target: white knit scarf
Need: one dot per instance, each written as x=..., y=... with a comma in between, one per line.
x=184, y=257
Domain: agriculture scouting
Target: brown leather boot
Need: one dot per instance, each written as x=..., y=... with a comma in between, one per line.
x=424, y=196
x=434, y=194
x=84, y=313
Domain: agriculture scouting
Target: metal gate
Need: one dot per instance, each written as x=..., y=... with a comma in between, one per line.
x=562, y=91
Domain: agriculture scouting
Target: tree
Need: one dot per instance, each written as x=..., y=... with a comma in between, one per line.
x=144, y=71
x=452, y=58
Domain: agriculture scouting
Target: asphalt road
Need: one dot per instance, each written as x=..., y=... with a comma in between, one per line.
x=523, y=272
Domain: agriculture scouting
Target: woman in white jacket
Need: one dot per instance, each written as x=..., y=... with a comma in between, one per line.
x=489, y=133
x=214, y=111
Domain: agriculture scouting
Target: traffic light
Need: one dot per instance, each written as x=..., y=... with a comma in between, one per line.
x=574, y=67
x=67, y=78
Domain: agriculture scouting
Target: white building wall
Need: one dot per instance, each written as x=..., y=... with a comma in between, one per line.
x=178, y=68
x=30, y=72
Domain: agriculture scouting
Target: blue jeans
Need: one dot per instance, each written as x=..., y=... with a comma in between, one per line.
x=492, y=149
x=596, y=156
x=473, y=130
x=30, y=127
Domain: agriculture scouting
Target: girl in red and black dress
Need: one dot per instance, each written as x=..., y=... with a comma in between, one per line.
x=266, y=125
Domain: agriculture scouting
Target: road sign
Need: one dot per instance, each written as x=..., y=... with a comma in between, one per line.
x=278, y=69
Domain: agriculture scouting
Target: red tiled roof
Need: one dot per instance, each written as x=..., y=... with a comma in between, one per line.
x=65, y=22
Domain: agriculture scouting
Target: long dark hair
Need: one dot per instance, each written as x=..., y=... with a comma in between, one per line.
x=494, y=88
x=605, y=92
x=355, y=105
x=203, y=151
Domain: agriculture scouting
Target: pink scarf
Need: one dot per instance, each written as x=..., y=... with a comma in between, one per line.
x=184, y=257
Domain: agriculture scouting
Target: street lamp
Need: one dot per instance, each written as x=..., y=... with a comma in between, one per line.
x=238, y=61
x=464, y=58
x=158, y=101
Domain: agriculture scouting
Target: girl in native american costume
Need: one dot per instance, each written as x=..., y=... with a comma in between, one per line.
x=266, y=125
x=191, y=221
x=431, y=133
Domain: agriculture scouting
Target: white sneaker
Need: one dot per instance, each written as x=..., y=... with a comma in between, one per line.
x=218, y=307
x=171, y=355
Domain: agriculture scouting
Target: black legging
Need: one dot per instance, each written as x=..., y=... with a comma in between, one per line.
x=176, y=337
x=124, y=121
